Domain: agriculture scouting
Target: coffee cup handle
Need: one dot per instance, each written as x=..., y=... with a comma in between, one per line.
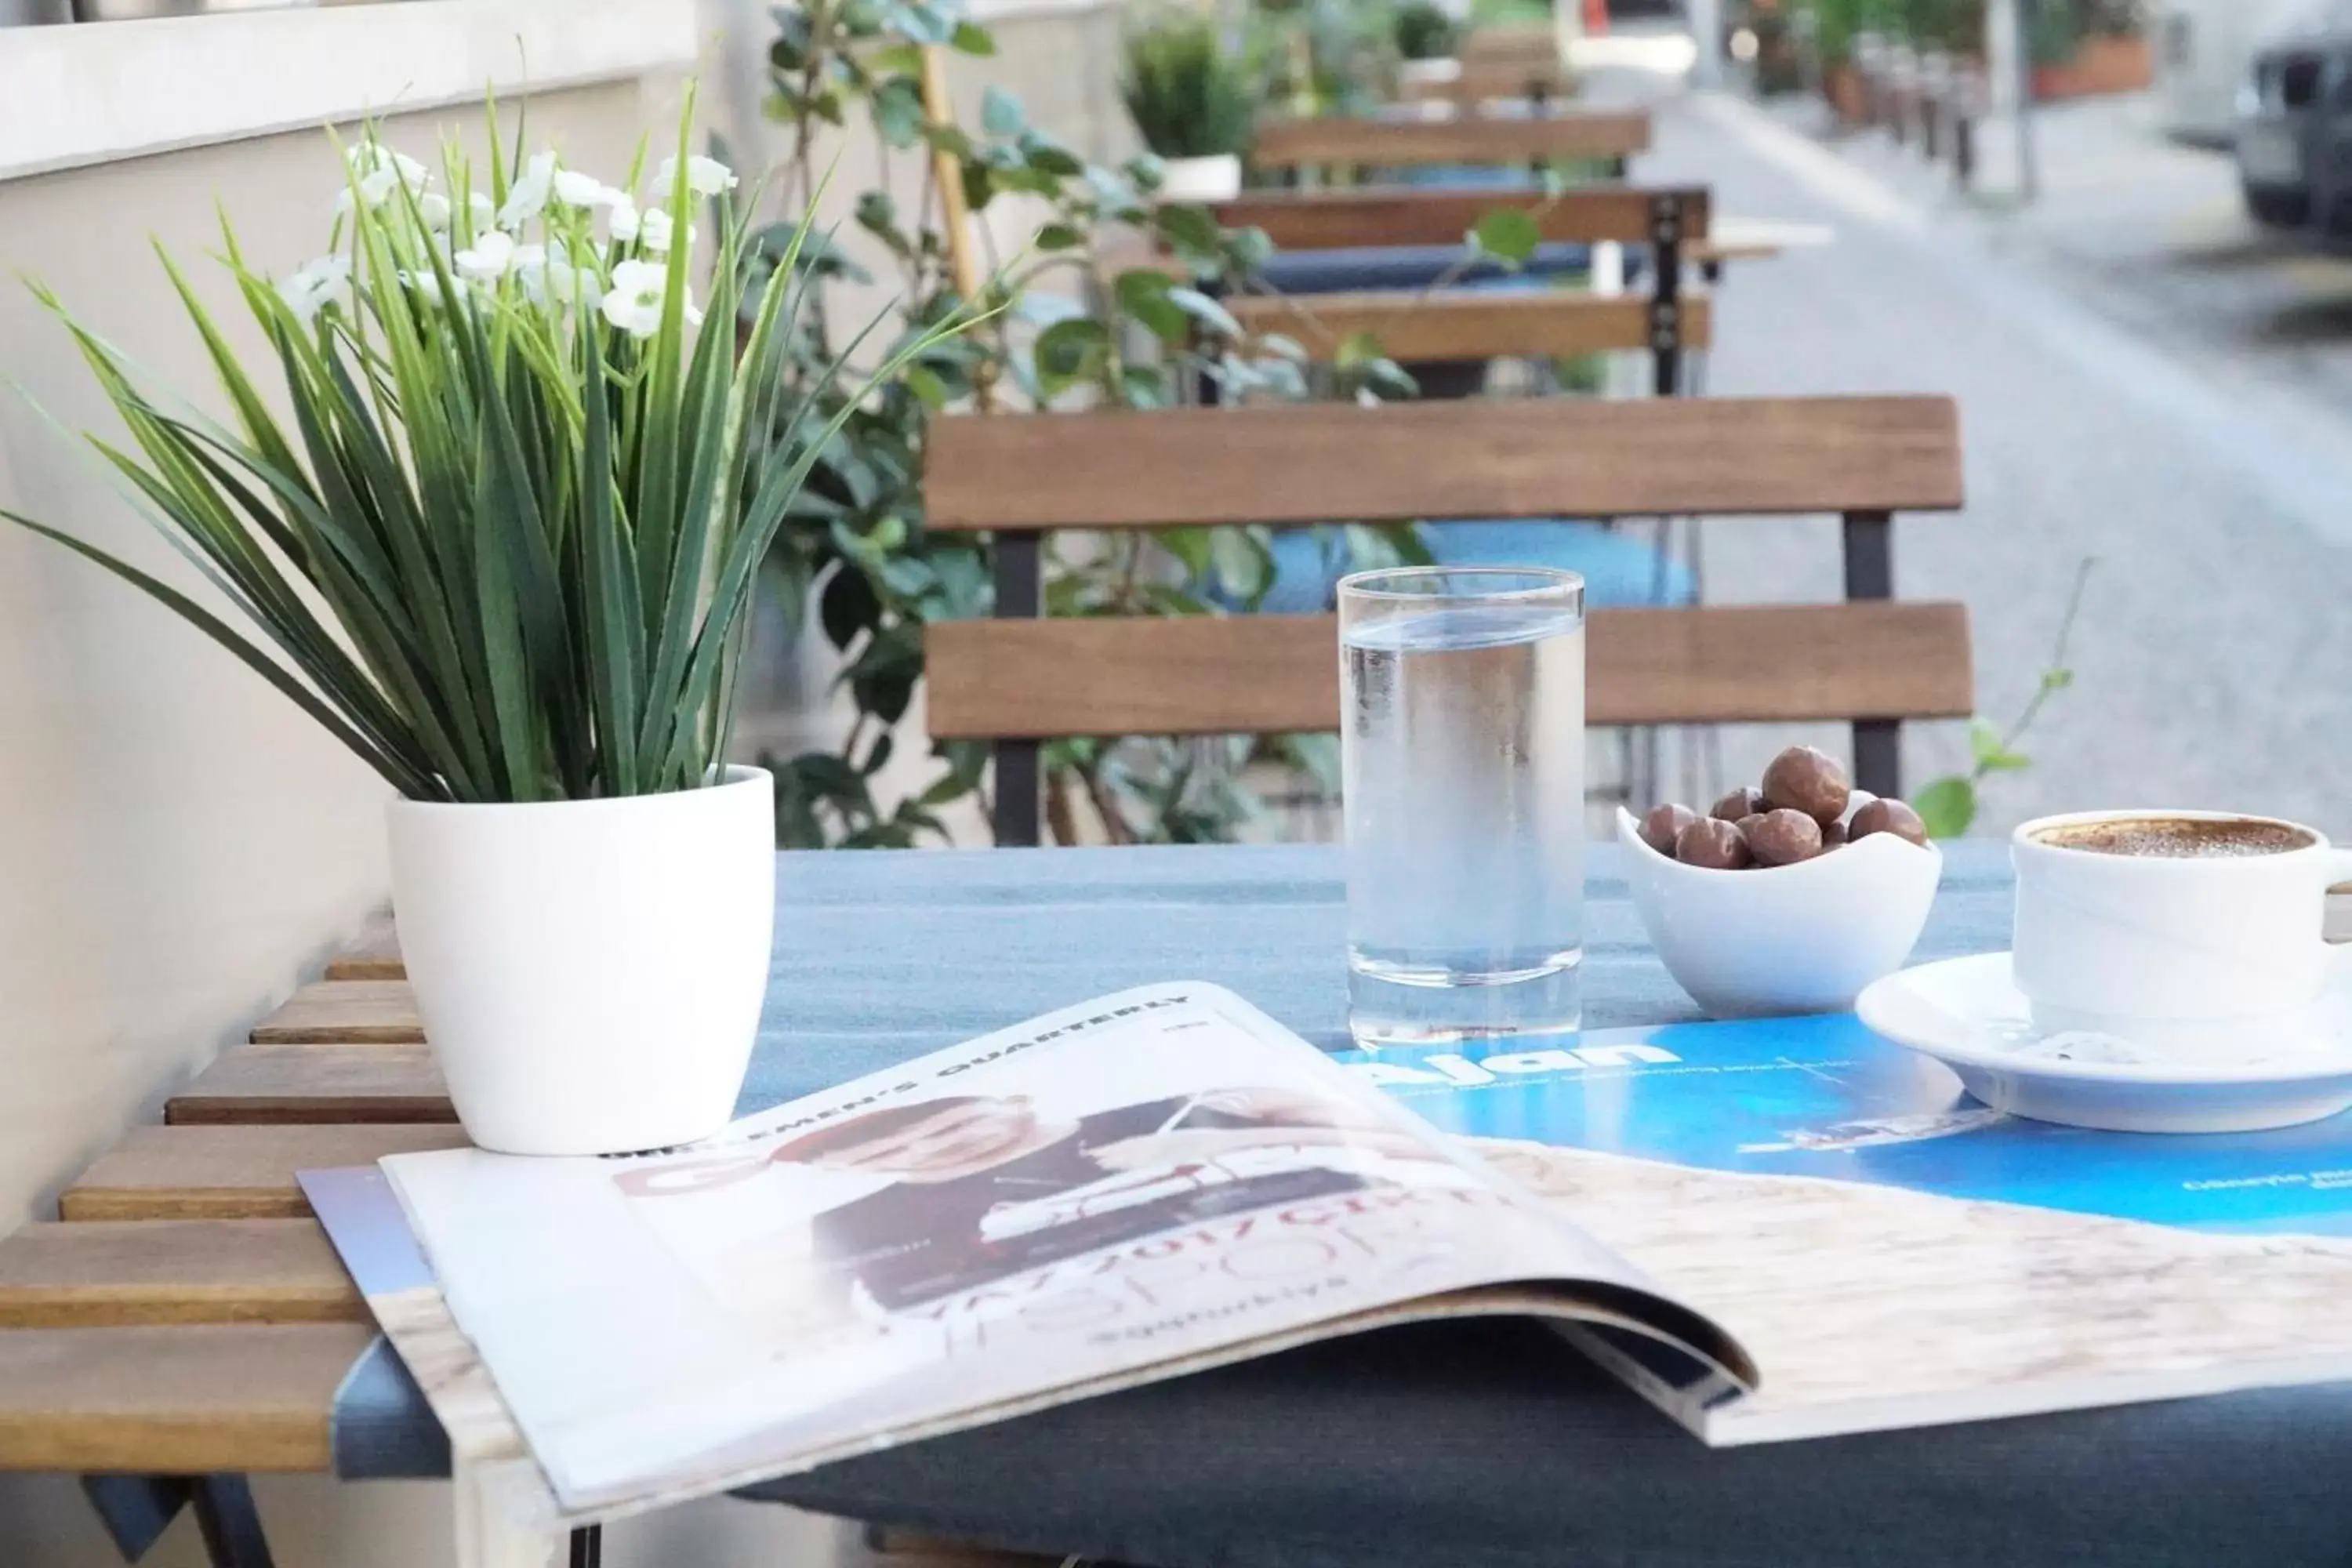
x=2339, y=880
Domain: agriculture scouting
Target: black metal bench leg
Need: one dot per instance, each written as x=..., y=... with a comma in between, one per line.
x=1869, y=540
x=231, y=1525
x=588, y=1546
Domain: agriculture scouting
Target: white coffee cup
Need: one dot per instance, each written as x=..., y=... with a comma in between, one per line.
x=2181, y=951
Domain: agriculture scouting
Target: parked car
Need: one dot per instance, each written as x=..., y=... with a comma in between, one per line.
x=2294, y=135
x=2204, y=51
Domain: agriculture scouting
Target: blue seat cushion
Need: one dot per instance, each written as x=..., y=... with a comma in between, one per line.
x=1619, y=568
x=1418, y=266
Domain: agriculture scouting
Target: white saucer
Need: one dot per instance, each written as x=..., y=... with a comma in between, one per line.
x=1967, y=1012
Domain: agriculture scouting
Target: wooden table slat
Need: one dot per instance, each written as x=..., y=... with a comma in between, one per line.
x=345, y=1011
x=142, y=1272
x=320, y=1083
x=230, y=1173
x=375, y=955
x=175, y=1400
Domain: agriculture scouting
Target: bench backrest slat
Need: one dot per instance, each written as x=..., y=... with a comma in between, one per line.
x=1343, y=220
x=1475, y=138
x=1406, y=462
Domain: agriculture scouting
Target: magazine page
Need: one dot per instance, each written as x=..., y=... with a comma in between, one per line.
x=1894, y=1252
x=1140, y=1186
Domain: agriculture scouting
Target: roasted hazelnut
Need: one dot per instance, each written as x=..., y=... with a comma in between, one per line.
x=1782, y=838
x=1714, y=844
x=1888, y=816
x=1739, y=804
x=1803, y=779
x=1664, y=824
x=1834, y=836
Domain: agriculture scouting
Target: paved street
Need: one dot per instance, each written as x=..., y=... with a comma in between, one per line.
x=2141, y=379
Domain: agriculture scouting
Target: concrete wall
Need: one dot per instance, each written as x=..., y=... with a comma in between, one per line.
x=179, y=847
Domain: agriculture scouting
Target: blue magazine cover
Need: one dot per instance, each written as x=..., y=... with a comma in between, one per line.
x=1823, y=1096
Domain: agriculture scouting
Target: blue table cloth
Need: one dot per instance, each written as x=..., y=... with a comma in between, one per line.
x=1458, y=1446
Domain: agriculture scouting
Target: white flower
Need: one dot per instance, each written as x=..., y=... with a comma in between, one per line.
x=427, y=286
x=704, y=177
x=623, y=221
x=481, y=207
x=541, y=166
x=491, y=254
x=570, y=284
x=575, y=189
x=315, y=284
x=434, y=208
x=656, y=231
x=693, y=314
x=374, y=190
x=531, y=270
x=635, y=303
x=526, y=199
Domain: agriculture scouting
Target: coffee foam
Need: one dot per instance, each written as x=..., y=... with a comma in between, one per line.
x=2178, y=838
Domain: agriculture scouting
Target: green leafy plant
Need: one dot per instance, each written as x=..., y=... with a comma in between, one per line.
x=1423, y=32
x=1188, y=94
x=1110, y=307
x=531, y=496
x=1948, y=807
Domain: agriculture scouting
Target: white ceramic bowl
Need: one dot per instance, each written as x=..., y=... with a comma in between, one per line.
x=1793, y=939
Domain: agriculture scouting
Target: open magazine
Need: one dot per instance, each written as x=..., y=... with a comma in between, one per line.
x=1167, y=1180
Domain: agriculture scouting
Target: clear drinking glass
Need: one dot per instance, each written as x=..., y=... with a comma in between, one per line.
x=1463, y=752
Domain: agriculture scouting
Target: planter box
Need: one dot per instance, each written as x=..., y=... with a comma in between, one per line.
x=2103, y=64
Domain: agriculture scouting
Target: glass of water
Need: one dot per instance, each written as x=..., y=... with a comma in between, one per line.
x=1463, y=752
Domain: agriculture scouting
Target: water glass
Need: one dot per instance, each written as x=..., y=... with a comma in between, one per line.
x=1463, y=754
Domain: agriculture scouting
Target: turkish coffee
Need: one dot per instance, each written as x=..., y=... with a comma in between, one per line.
x=2178, y=838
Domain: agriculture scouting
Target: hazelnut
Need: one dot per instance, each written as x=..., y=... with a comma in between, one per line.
x=1888, y=816
x=1664, y=824
x=1782, y=838
x=1739, y=804
x=1803, y=779
x=1714, y=844
x=1834, y=836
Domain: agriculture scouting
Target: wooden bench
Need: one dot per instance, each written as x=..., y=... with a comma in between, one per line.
x=1471, y=139
x=1410, y=326
x=1018, y=679
x=1668, y=221
x=1535, y=82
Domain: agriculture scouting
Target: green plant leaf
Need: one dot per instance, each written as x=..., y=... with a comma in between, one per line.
x=1205, y=310
x=971, y=38
x=1143, y=292
x=1001, y=113
x=1508, y=234
x=1059, y=237
x=1948, y=808
x=1070, y=352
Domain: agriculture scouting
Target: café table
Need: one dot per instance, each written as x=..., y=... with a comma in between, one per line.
x=189, y=1349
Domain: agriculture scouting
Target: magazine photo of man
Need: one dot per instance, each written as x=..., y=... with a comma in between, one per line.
x=982, y=1188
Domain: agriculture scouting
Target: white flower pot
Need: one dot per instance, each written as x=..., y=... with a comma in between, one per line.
x=590, y=972
x=1436, y=71
x=1216, y=178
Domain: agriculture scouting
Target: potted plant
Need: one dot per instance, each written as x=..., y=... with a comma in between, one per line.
x=1427, y=43
x=1193, y=102
x=502, y=551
